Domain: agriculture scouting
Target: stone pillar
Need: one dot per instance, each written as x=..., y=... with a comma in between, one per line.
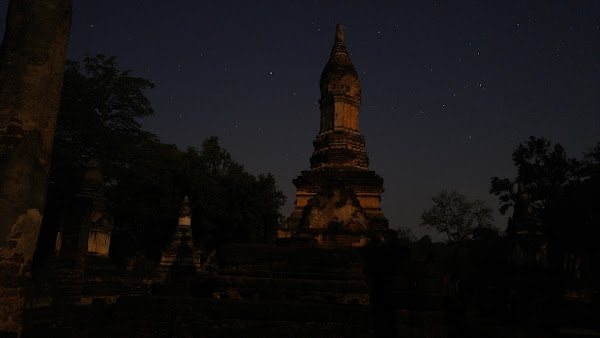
x=32, y=61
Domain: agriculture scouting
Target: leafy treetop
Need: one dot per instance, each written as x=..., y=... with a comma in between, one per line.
x=145, y=180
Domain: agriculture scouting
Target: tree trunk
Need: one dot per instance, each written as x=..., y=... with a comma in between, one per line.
x=32, y=61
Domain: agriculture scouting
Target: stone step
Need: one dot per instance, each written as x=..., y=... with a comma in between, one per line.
x=237, y=328
x=290, y=262
x=279, y=267
x=287, y=329
x=314, y=273
x=300, y=256
x=420, y=301
x=164, y=316
x=264, y=310
x=332, y=291
x=295, y=284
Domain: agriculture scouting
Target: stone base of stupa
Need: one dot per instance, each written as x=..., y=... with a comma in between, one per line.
x=338, y=208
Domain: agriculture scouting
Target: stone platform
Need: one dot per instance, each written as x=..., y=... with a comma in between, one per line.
x=257, y=291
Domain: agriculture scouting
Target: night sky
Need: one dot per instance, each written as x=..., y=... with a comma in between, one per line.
x=448, y=91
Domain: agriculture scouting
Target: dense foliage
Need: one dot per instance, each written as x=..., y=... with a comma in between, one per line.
x=564, y=197
x=544, y=169
x=145, y=180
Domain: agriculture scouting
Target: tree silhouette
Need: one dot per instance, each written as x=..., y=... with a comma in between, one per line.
x=457, y=217
x=563, y=195
x=544, y=170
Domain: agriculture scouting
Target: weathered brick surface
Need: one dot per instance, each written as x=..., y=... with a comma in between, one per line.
x=32, y=60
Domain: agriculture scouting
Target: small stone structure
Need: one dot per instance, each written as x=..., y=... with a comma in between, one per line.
x=101, y=225
x=81, y=271
x=337, y=201
x=180, y=258
x=94, y=226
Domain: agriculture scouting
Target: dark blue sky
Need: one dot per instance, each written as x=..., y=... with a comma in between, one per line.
x=448, y=90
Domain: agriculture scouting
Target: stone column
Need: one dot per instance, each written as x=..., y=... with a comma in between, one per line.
x=32, y=61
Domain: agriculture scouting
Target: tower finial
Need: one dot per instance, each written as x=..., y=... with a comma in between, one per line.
x=339, y=32
x=338, y=45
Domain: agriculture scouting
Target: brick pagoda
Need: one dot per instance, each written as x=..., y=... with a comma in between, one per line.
x=337, y=200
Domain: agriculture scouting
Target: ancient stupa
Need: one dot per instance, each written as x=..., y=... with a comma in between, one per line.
x=337, y=200
x=180, y=259
x=527, y=242
x=87, y=228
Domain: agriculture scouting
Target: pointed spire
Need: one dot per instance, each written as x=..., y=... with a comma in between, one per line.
x=338, y=45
